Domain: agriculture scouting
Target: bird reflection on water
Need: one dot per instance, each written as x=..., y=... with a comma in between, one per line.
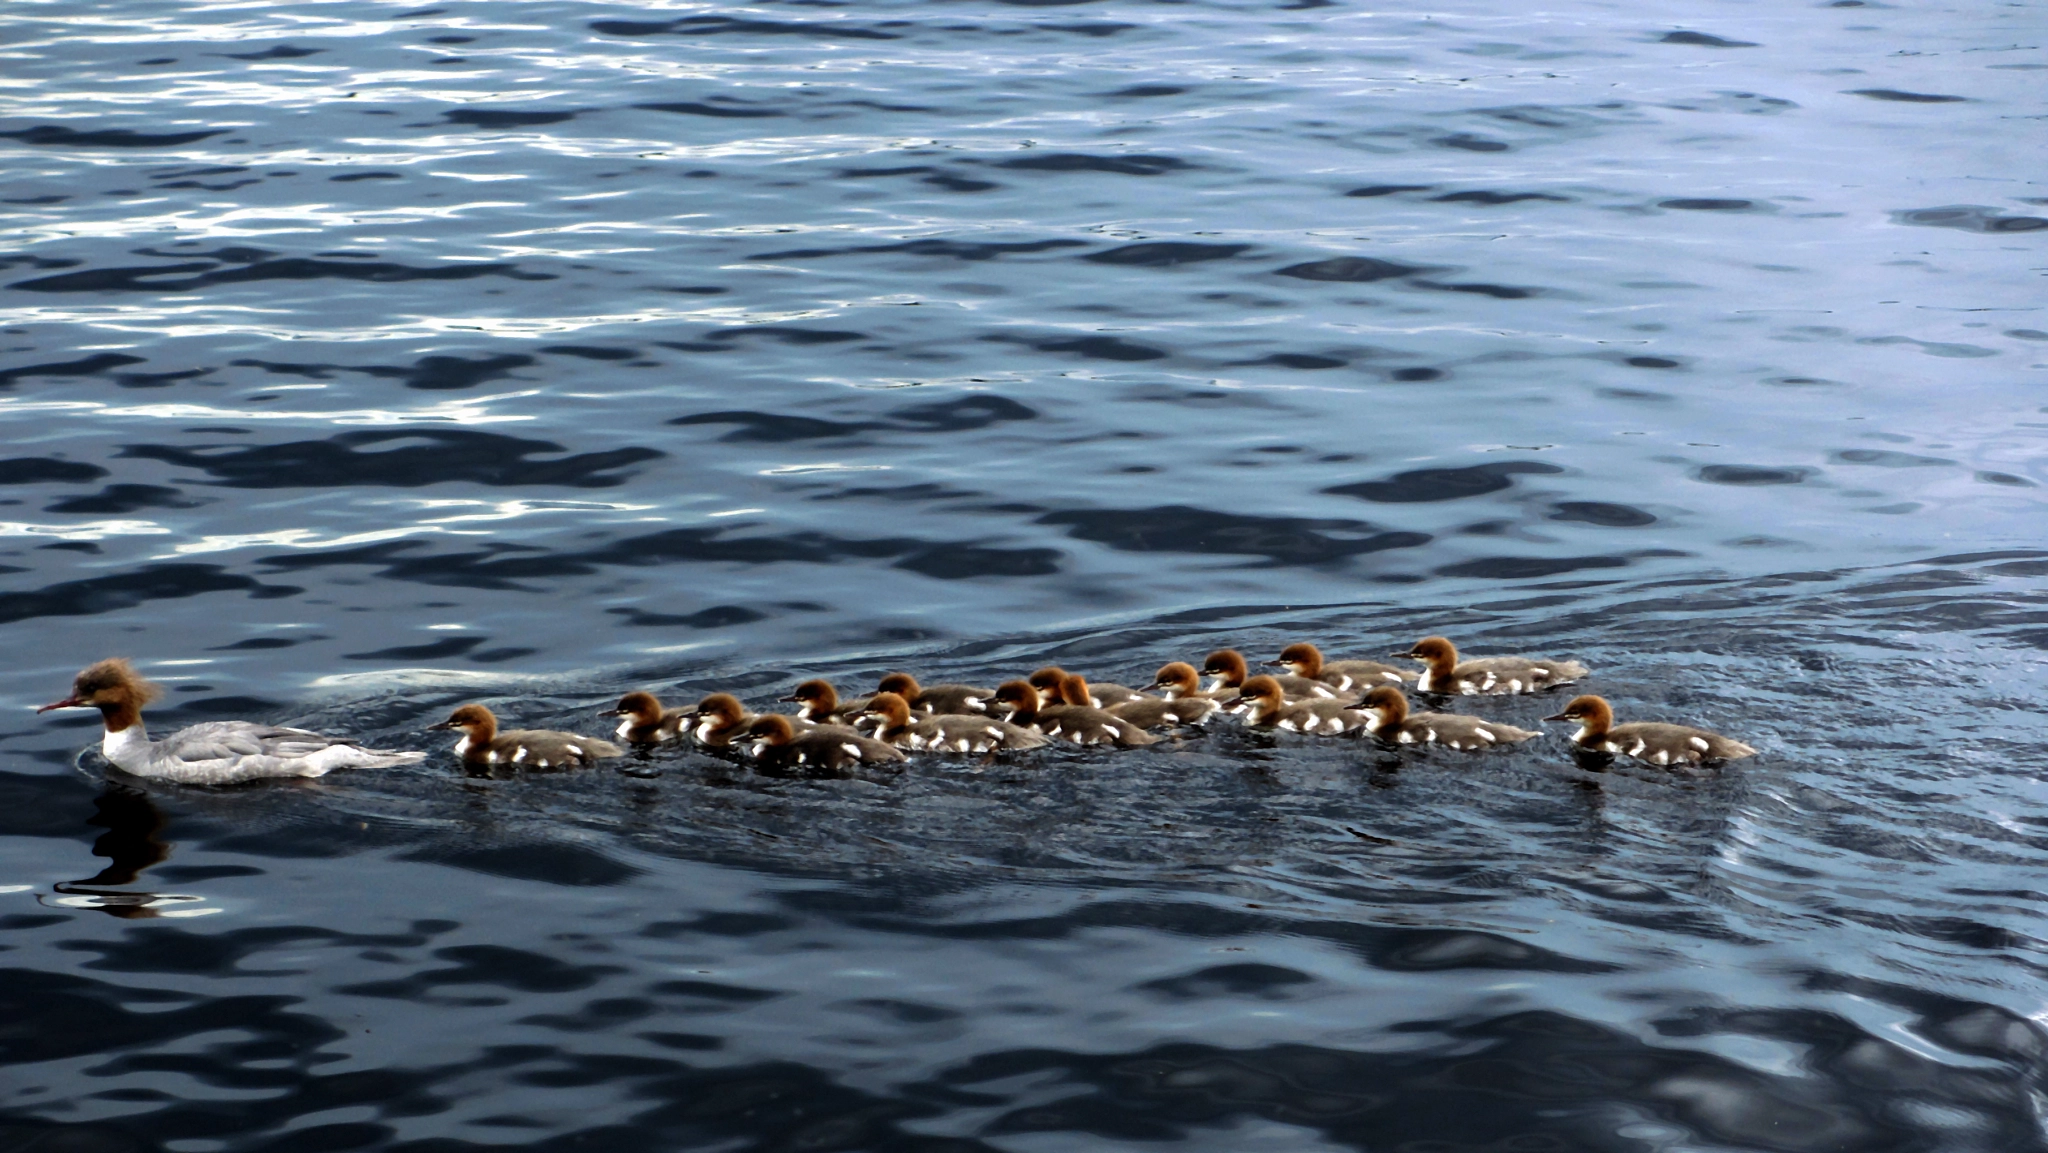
x=131, y=846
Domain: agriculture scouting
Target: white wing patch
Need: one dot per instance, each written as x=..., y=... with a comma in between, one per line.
x=1699, y=743
x=519, y=755
x=576, y=750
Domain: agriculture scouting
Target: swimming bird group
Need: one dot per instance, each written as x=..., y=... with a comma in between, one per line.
x=1312, y=696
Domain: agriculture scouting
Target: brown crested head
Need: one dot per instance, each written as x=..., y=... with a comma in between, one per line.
x=1017, y=697
x=1389, y=702
x=1074, y=691
x=642, y=707
x=1433, y=650
x=1305, y=659
x=111, y=684
x=724, y=706
x=902, y=684
x=1261, y=688
x=1228, y=664
x=1594, y=711
x=1048, y=681
x=773, y=728
x=817, y=694
x=472, y=718
x=1178, y=675
x=891, y=707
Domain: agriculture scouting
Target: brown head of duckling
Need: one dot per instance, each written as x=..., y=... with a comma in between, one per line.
x=643, y=707
x=1178, y=677
x=817, y=695
x=1228, y=664
x=1260, y=690
x=479, y=722
x=772, y=729
x=893, y=710
x=902, y=684
x=1437, y=652
x=724, y=706
x=1386, y=704
x=1301, y=659
x=1074, y=691
x=1050, y=682
x=1019, y=699
x=1593, y=713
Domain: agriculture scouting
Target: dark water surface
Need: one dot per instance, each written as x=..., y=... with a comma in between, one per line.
x=360, y=359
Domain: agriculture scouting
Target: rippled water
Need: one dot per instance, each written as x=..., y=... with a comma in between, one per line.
x=362, y=359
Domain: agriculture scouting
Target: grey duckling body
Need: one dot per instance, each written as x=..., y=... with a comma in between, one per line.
x=945, y=733
x=958, y=700
x=1051, y=681
x=1306, y=660
x=1445, y=673
x=483, y=743
x=1077, y=724
x=1652, y=742
x=778, y=743
x=1390, y=720
x=1264, y=705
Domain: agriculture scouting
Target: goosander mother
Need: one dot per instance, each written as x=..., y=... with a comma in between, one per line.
x=212, y=752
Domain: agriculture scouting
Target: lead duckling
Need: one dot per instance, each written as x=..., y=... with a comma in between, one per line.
x=211, y=752
x=1485, y=676
x=1306, y=660
x=1230, y=670
x=818, y=702
x=483, y=744
x=720, y=720
x=947, y=733
x=1051, y=680
x=1390, y=720
x=1077, y=723
x=645, y=721
x=1266, y=706
x=777, y=744
x=1650, y=741
x=1178, y=680
x=962, y=700
x=1144, y=712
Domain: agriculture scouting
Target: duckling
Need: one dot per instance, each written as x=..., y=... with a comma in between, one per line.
x=720, y=720
x=1390, y=720
x=945, y=734
x=1306, y=660
x=820, y=704
x=777, y=744
x=1266, y=706
x=646, y=722
x=963, y=700
x=1230, y=670
x=1144, y=712
x=1050, y=680
x=1485, y=676
x=483, y=744
x=1178, y=680
x=211, y=752
x=1649, y=741
x=1077, y=723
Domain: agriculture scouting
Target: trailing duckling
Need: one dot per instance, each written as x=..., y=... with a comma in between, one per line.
x=1306, y=660
x=1178, y=680
x=483, y=744
x=945, y=733
x=1485, y=676
x=1264, y=705
x=1650, y=741
x=1390, y=720
x=778, y=745
x=1079, y=724
x=645, y=721
x=1050, y=682
x=959, y=700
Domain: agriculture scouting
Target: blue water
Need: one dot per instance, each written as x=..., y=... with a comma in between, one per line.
x=360, y=360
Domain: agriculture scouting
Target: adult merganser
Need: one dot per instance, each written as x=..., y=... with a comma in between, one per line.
x=1485, y=676
x=961, y=700
x=818, y=702
x=1077, y=723
x=645, y=721
x=1390, y=720
x=1230, y=670
x=1306, y=660
x=1650, y=741
x=483, y=744
x=1144, y=712
x=778, y=745
x=212, y=752
x=1266, y=706
x=945, y=734
x=1051, y=680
